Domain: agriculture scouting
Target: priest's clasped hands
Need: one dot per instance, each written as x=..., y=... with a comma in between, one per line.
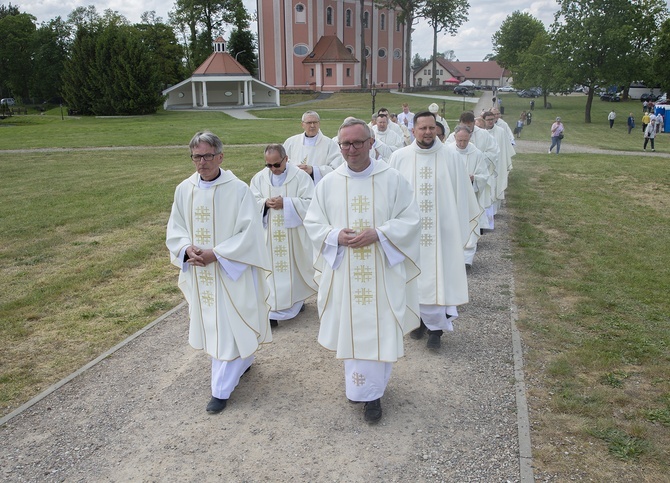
x=199, y=257
x=276, y=203
x=349, y=238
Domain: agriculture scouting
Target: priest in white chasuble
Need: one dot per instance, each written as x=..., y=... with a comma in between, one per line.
x=312, y=151
x=480, y=178
x=364, y=226
x=215, y=236
x=283, y=193
x=449, y=215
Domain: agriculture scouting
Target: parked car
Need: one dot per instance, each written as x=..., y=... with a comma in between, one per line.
x=8, y=101
x=464, y=91
x=526, y=93
x=611, y=97
x=506, y=89
x=647, y=96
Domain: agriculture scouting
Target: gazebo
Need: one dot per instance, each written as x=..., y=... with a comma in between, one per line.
x=220, y=82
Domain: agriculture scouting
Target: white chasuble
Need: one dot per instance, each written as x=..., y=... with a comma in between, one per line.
x=228, y=317
x=446, y=222
x=366, y=305
x=286, y=241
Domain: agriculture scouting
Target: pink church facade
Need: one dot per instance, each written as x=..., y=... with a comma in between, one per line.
x=316, y=44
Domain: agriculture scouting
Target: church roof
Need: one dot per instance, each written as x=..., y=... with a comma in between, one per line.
x=329, y=48
x=220, y=63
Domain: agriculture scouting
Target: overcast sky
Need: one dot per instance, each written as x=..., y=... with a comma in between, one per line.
x=472, y=42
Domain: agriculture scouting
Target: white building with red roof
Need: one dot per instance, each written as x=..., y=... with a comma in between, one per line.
x=220, y=82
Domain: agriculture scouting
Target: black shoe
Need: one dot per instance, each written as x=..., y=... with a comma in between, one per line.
x=273, y=323
x=216, y=405
x=417, y=333
x=434, y=339
x=373, y=411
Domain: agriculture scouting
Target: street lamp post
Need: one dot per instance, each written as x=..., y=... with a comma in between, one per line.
x=373, y=93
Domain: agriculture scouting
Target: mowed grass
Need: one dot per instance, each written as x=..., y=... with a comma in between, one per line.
x=84, y=263
x=592, y=256
x=571, y=110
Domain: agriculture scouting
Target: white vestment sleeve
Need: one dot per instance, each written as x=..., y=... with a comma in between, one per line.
x=316, y=173
x=233, y=269
x=331, y=251
x=182, y=254
x=393, y=255
x=291, y=218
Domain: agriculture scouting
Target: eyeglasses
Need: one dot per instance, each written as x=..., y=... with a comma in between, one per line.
x=356, y=144
x=276, y=165
x=207, y=157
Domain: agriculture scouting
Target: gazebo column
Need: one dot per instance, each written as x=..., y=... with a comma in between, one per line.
x=204, y=94
x=194, y=94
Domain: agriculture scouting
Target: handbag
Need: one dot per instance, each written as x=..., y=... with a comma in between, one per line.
x=560, y=136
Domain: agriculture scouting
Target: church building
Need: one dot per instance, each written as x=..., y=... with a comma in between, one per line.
x=316, y=44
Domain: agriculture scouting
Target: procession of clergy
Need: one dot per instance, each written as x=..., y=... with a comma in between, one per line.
x=381, y=222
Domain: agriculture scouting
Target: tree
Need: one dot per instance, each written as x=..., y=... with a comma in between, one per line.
x=661, y=60
x=363, y=57
x=242, y=43
x=593, y=38
x=537, y=66
x=417, y=62
x=200, y=22
x=444, y=16
x=51, y=47
x=16, y=41
x=167, y=54
x=408, y=13
x=515, y=35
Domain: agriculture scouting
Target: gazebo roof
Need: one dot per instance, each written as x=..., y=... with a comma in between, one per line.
x=220, y=63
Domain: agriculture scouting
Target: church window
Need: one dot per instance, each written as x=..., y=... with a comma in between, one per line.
x=300, y=13
x=366, y=17
x=329, y=72
x=350, y=49
x=397, y=54
x=382, y=22
x=329, y=16
x=300, y=49
x=381, y=53
x=348, y=72
x=367, y=52
x=347, y=18
x=398, y=23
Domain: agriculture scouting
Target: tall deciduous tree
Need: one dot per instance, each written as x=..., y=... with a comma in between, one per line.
x=200, y=22
x=242, y=43
x=408, y=15
x=514, y=37
x=444, y=16
x=661, y=61
x=593, y=38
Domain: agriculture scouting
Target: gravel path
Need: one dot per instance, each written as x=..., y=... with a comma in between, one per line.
x=138, y=415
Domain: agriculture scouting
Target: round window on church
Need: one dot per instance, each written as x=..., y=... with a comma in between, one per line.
x=300, y=49
x=397, y=54
x=381, y=53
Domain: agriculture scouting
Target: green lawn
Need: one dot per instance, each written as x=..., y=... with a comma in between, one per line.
x=84, y=263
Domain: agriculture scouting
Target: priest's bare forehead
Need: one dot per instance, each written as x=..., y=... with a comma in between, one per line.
x=207, y=138
x=310, y=114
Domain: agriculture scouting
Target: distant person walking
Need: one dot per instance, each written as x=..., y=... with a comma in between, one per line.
x=630, y=122
x=650, y=134
x=556, y=135
x=645, y=121
x=611, y=117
